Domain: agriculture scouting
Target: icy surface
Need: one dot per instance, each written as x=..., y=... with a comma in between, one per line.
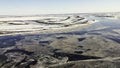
x=41, y=23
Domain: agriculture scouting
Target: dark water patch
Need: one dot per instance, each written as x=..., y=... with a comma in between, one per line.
x=81, y=39
x=55, y=50
x=116, y=39
x=78, y=52
x=61, y=37
x=39, y=35
x=93, y=33
x=7, y=41
x=80, y=46
x=74, y=57
x=29, y=42
x=110, y=28
x=102, y=31
x=66, y=25
x=88, y=49
x=53, y=34
x=17, y=37
x=45, y=42
x=74, y=33
x=19, y=51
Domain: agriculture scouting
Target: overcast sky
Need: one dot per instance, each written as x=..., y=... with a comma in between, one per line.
x=14, y=7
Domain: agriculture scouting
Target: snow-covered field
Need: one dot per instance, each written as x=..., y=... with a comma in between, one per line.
x=12, y=25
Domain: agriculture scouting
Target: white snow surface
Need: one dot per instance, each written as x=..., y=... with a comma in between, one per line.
x=31, y=24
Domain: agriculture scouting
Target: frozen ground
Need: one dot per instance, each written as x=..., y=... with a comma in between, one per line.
x=13, y=25
x=61, y=41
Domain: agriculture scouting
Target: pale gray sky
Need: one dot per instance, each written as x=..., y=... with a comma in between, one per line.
x=13, y=7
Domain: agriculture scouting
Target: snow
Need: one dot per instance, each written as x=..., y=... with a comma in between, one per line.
x=25, y=24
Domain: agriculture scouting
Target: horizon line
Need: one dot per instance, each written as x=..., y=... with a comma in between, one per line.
x=57, y=13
